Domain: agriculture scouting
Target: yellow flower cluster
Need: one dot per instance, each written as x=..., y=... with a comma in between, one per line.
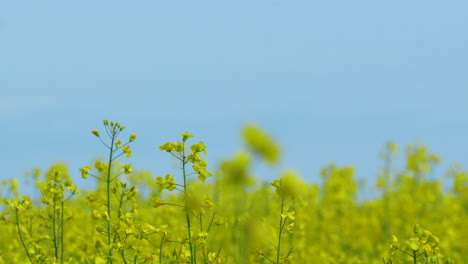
x=261, y=143
x=424, y=245
x=234, y=217
x=167, y=183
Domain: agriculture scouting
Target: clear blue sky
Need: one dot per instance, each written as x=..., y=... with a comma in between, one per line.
x=331, y=80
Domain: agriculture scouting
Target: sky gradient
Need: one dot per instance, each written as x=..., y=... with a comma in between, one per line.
x=330, y=80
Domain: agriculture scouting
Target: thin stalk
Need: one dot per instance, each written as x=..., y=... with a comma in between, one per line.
x=204, y=253
x=109, y=241
x=278, y=249
x=21, y=235
x=119, y=214
x=201, y=221
x=211, y=222
x=160, y=249
x=267, y=258
x=122, y=253
x=54, y=227
x=187, y=213
x=404, y=252
x=61, y=231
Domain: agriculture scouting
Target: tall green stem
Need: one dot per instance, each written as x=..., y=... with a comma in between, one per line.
x=108, y=182
x=278, y=249
x=21, y=235
x=61, y=231
x=160, y=249
x=54, y=227
x=187, y=213
x=119, y=214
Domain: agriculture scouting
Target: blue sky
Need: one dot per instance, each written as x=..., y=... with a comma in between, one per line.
x=330, y=80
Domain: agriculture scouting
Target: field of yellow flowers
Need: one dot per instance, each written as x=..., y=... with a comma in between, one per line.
x=225, y=215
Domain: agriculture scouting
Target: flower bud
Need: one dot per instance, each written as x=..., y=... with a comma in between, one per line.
x=95, y=132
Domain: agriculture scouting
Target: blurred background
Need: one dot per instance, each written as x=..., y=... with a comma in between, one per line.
x=329, y=80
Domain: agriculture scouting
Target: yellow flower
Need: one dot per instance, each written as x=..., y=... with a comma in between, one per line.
x=127, y=168
x=147, y=229
x=201, y=237
x=95, y=132
x=158, y=202
x=84, y=172
x=95, y=214
x=276, y=184
x=290, y=228
x=168, y=146
x=289, y=185
x=287, y=258
x=288, y=214
x=101, y=167
x=127, y=151
x=168, y=183
x=213, y=257
x=131, y=230
x=414, y=244
x=132, y=137
x=185, y=136
x=162, y=230
x=261, y=143
x=394, y=244
x=160, y=183
x=117, y=245
x=201, y=170
x=199, y=147
x=203, y=175
x=194, y=158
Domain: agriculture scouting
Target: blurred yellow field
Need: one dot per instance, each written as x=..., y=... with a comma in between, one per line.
x=225, y=215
